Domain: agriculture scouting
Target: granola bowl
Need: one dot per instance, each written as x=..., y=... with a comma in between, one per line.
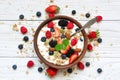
x=55, y=47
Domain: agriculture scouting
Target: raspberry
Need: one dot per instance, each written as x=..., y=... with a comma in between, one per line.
x=50, y=25
x=51, y=15
x=23, y=30
x=80, y=65
x=70, y=25
x=74, y=41
x=30, y=64
x=48, y=34
x=51, y=71
x=92, y=35
x=99, y=18
x=90, y=47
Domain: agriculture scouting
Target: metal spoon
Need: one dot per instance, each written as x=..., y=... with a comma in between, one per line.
x=87, y=25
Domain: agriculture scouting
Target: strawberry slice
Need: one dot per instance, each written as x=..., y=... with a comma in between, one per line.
x=64, y=51
x=51, y=71
x=57, y=32
x=73, y=57
x=59, y=41
x=68, y=47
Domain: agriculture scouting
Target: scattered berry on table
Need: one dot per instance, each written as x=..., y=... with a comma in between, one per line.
x=70, y=25
x=77, y=29
x=51, y=53
x=23, y=30
x=50, y=25
x=62, y=36
x=92, y=35
x=51, y=15
x=81, y=39
x=30, y=64
x=52, y=29
x=43, y=39
x=62, y=22
x=51, y=71
x=69, y=70
x=21, y=16
x=48, y=34
x=38, y=14
x=14, y=67
x=87, y=15
x=99, y=70
x=87, y=64
x=90, y=47
x=73, y=12
x=74, y=41
x=53, y=43
x=99, y=18
x=20, y=46
x=99, y=40
x=80, y=65
x=25, y=38
x=63, y=56
x=40, y=69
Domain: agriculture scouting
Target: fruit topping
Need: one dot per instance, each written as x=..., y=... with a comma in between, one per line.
x=80, y=65
x=48, y=34
x=63, y=23
x=70, y=25
x=51, y=71
x=73, y=57
x=74, y=41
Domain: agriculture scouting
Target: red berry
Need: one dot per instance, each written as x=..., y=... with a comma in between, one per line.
x=70, y=25
x=23, y=30
x=51, y=15
x=80, y=65
x=30, y=64
x=51, y=71
x=48, y=34
x=99, y=18
x=50, y=25
x=92, y=35
x=90, y=47
x=74, y=41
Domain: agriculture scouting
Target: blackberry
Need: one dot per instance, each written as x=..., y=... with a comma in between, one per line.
x=70, y=52
x=52, y=43
x=63, y=22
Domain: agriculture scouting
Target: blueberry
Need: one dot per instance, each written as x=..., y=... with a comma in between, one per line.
x=87, y=15
x=51, y=53
x=40, y=69
x=99, y=70
x=69, y=70
x=62, y=27
x=20, y=46
x=43, y=39
x=87, y=64
x=14, y=66
x=63, y=36
x=53, y=43
x=38, y=14
x=25, y=38
x=73, y=12
x=52, y=29
x=99, y=40
x=62, y=22
x=70, y=52
x=81, y=39
x=77, y=29
x=63, y=56
x=21, y=16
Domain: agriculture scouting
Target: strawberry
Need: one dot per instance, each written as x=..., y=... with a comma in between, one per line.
x=51, y=15
x=48, y=34
x=59, y=41
x=74, y=41
x=52, y=9
x=30, y=64
x=57, y=32
x=80, y=65
x=70, y=25
x=51, y=71
x=92, y=35
x=99, y=18
x=73, y=57
x=64, y=51
x=23, y=30
x=68, y=47
x=50, y=25
x=89, y=47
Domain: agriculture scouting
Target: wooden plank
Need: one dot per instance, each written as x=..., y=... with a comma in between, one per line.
x=12, y=8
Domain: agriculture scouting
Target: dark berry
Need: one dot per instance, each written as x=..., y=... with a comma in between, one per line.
x=20, y=46
x=62, y=27
x=81, y=39
x=51, y=53
x=77, y=29
x=63, y=22
x=43, y=39
x=99, y=40
x=40, y=69
x=99, y=70
x=38, y=14
x=52, y=29
x=25, y=38
x=62, y=36
x=73, y=12
x=63, y=56
x=14, y=66
x=87, y=64
x=21, y=16
x=69, y=70
x=70, y=52
x=87, y=15
x=52, y=43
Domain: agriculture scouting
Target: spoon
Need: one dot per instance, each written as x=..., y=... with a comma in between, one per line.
x=87, y=25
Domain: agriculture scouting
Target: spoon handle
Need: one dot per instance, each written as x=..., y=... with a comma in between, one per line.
x=87, y=25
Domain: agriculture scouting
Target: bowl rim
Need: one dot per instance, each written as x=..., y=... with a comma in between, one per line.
x=49, y=63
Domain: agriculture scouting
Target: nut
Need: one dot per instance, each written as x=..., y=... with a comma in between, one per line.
x=67, y=34
x=77, y=50
x=51, y=49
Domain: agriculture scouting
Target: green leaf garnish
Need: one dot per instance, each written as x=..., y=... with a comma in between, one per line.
x=65, y=42
x=59, y=47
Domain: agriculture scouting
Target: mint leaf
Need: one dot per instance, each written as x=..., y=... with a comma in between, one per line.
x=59, y=47
x=65, y=42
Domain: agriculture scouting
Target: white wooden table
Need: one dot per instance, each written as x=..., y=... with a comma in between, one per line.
x=106, y=56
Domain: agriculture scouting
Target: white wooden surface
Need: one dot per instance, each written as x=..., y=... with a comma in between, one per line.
x=106, y=56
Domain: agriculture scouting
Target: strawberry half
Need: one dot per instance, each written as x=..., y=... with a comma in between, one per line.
x=73, y=57
x=51, y=71
x=80, y=65
x=52, y=9
x=64, y=51
x=57, y=32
